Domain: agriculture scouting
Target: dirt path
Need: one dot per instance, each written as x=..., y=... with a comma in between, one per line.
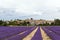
x=30, y=35
x=44, y=35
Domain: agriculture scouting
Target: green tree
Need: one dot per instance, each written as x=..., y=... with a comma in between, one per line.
x=57, y=22
x=1, y=22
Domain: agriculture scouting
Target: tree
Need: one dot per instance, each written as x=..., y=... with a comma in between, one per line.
x=28, y=23
x=57, y=22
x=1, y=22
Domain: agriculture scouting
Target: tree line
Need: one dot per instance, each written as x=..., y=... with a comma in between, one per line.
x=14, y=23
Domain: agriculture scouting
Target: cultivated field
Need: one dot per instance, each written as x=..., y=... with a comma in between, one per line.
x=30, y=33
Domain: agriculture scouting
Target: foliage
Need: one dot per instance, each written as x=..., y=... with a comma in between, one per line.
x=24, y=23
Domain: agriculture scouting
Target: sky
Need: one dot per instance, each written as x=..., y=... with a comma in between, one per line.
x=23, y=9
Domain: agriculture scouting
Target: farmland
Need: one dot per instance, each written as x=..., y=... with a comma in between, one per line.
x=30, y=33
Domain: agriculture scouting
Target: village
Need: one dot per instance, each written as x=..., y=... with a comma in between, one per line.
x=27, y=22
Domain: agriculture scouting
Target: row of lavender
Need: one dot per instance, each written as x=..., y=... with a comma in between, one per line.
x=13, y=33
x=7, y=32
x=53, y=32
x=37, y=35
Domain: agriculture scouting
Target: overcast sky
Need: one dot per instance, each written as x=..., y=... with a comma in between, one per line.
x=22, y=9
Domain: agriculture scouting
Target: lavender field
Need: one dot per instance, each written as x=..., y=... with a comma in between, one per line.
x=30, y=33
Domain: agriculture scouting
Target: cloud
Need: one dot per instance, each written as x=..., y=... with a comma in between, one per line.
x=22, y=6
x=18, y=8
